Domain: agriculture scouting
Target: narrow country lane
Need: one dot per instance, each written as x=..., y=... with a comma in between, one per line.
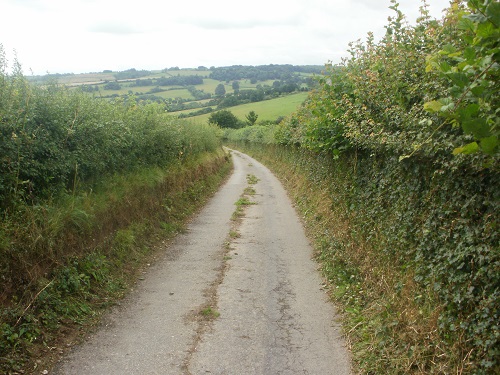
x=253, y=307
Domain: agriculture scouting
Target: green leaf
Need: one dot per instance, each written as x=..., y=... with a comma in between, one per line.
x=466, y=24
x=433, y=106
x=477, y=127
x=469, y=111
x=489, y=144
x=459, y=79
x=448, y=49
x=467, y=149
x=469, y=54
x=476, y=18
x=444, y=66
x=485, y=30
x=493, y=13
x=478, y=90
x=448, y=105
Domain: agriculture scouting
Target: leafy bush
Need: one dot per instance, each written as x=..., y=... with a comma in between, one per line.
x=132, y=73
x=255, y=134
x=112, y=86
x=386, y=97
x=473, y=72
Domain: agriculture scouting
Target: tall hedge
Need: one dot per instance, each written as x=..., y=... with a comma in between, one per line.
x=415, y=119
x=52, y=138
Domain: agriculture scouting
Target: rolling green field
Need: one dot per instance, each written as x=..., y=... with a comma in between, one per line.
x=99, y=80
x=176, y=93
x=267, y=110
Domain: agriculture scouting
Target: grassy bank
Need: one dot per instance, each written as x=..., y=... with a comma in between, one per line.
x=98, y=243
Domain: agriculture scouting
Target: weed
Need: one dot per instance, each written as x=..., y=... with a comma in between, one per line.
x=124, y=240
x=169, y=228
x=243, y=201
x=238, y=213
x=240, y=203
x=251, y=179
x=209, y=313
x=249, y=191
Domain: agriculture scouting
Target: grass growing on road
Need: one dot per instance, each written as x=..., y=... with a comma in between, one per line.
x=251, y=179
x=243, y=201
x=240, y=204
x=250, y=191
x=210, y=313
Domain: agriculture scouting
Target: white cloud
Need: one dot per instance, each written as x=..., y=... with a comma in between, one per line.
x=118, y=28
x=92, y=35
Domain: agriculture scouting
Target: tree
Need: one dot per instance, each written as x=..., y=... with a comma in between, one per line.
x=112, y=86
x=236, y=86
x=220, y=90
x=252, y=118
x=225, y=119
x=229, y=101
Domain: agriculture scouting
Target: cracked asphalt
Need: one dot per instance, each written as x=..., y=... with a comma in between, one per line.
x=271, y=315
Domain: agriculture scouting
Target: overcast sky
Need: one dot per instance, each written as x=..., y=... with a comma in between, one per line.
x=76, y=36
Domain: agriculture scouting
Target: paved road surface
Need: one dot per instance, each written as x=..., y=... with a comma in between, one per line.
x=274, y=317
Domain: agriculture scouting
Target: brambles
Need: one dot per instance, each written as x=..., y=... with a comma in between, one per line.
x=423, y=90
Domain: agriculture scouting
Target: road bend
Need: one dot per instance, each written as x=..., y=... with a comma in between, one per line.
x=224, y=300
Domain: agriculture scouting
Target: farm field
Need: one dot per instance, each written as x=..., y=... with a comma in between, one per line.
x=267, y=110
x=100, y=79
x=208, y=85
x=187, y=93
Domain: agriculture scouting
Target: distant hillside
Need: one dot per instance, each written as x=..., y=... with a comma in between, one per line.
x=263, y=72
x=199, y=91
